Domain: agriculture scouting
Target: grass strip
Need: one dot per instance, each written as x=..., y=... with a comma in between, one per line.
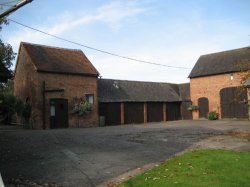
x=198, y=168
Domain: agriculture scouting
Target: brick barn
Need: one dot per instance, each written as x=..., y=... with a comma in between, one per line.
x=52, y=80
x=126, y=102
x=215, y=84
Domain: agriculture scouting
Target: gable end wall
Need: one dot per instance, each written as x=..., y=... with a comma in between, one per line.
x=210, y=87
x=25, y=79
x=28, y=84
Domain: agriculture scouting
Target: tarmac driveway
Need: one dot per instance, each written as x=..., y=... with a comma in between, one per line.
x=91, y=156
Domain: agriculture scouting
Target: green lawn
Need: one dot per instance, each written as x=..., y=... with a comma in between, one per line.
x=198, y=168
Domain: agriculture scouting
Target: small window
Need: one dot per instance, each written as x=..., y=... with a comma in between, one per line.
x=90, y=98
x=231, y=76
x=52, y=110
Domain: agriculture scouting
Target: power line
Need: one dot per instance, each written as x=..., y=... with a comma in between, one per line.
x=95, y=49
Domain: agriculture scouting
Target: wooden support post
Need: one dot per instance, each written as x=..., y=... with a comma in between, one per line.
x=122, y=113
x=145, y=112
x=164, y=112
x=44, y=106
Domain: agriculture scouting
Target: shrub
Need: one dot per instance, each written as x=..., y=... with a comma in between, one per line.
x=82, y=108
x=11, y=105
x=8, y=106
x=26, y=112
x=213, y=115
x=193, y=108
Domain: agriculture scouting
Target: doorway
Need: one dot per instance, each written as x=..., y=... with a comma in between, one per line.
x=203, y=107
x=58, y=113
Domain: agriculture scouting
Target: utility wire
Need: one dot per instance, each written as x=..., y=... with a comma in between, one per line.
x=95, y=49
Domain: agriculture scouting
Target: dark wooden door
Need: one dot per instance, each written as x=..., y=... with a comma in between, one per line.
x=59, y=113
x=111, y=112
x=155, y=112
x=173, y=111
x=203, y=107
x=233, y=102
x=133, y=113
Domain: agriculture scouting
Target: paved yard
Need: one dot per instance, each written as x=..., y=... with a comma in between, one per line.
x=91, y=156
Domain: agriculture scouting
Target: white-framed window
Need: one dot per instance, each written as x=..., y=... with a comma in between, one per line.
x=52, y=109
x=90, y=98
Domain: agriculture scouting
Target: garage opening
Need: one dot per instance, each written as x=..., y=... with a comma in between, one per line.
x=233, y=101
x=133, y=113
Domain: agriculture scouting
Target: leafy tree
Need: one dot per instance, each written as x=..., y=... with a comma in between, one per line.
x=245, y=78
x=9, y=104
x=245, y=70
x=7, y=54
x=3, y=21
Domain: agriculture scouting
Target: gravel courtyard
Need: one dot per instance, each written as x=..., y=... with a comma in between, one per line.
x=93, y=156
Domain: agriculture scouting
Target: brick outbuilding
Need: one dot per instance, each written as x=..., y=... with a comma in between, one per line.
x=216, y=84
x=53, y=80
x=125, y=102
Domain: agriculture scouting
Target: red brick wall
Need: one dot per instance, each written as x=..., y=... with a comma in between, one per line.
x=248, y=96
x=210, y=87
x=74, y=87
x=25, y=79
x=28, y=83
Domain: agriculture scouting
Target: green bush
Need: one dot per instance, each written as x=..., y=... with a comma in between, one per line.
x=193, y=108
x=82, y=108
x=11, y=105
x=213, y=115
x=26, y=112
x=8, y=107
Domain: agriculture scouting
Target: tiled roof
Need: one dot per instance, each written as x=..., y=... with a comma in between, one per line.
x=222, y=62
x=59, y=60
x=184, y=91
x=110, y=90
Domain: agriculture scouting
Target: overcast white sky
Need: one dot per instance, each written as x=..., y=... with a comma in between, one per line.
x=170, y=32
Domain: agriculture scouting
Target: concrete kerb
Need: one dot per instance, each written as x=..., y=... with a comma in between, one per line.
x=126, y=176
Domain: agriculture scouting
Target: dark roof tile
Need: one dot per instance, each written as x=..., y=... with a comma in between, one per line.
x=59, y=60
x=184, y=90
x=110, y=90
x=222, y=62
